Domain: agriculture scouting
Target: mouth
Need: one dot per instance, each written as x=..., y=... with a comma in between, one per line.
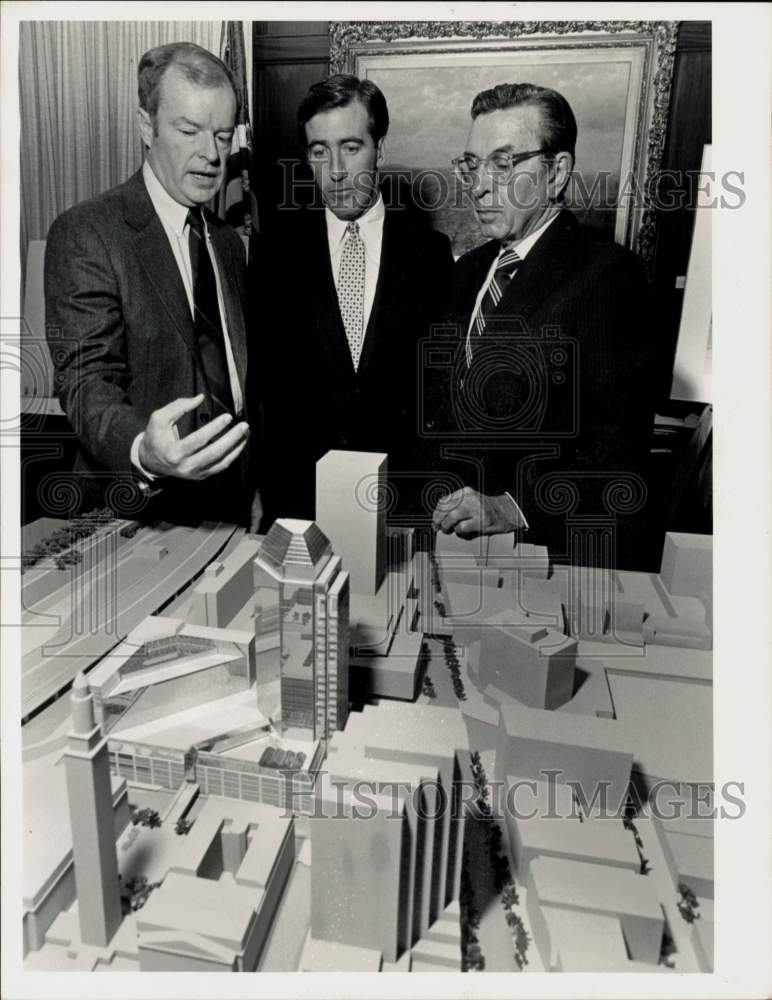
x=204, y=176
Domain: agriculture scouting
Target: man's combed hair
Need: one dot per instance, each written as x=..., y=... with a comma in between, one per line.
x=197, y=65
x=338, y=92
x=558, y=125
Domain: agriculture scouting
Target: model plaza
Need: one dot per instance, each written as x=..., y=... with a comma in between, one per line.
x=329, y=715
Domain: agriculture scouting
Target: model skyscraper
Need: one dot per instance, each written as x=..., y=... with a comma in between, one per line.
x=313, y=627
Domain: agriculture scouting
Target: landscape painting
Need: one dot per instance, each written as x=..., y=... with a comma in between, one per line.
x=608, y=79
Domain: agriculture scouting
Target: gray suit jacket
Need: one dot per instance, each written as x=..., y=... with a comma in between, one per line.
x=120, y=330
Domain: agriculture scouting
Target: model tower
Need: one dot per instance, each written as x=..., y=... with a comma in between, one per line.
x=351, y=495
x=90, y=798
x=313, y=627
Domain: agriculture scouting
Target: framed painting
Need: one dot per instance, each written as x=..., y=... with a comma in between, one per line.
x=616, y=75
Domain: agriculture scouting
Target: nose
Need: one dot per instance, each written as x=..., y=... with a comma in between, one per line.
x=482, y=183
x=208, y=147
x=337, y=166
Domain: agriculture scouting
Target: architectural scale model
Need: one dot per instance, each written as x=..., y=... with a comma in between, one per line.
x=328, y=749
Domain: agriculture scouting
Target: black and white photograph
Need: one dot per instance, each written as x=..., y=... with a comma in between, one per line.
x=385, y=499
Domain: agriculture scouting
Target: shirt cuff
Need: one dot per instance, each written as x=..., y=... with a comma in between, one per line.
x=521, y=515
x=149, y=477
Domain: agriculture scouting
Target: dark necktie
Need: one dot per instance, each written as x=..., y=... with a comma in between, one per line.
x=206, y=313
x=506, y=268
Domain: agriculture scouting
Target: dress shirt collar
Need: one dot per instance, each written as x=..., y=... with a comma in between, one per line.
x=525, y=246
x=336, y=228
x=170, y=212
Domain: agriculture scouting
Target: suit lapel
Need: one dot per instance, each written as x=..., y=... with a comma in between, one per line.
x=234, y=307
x=157, y=260
x=327, y=319
x=386, y=290
x=475, y=272
x=543, y=269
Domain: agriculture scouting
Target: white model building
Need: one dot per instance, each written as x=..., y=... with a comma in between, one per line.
x=313, y=644
x=90, y=796
x=350, y=510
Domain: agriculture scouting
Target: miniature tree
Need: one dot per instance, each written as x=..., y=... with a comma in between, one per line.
x=183, y=825
x=146, y=817
x=453, y=665
x=136, y=891
x=522, y=940
x=688, y=903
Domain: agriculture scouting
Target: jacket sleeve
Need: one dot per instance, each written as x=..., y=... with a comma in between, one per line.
x=86, y=334
x=614, y=389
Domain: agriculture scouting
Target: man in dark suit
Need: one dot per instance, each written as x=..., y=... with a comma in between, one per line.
x=356, y=283
x=549, y=403
x=145, y=296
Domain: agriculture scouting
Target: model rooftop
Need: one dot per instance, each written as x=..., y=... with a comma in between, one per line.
x=295, y=548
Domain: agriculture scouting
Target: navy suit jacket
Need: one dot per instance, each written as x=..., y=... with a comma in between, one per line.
x=314, y=399
x=557, y=406
x=123, y=342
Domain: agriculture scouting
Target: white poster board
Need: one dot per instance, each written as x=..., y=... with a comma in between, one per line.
x=692, y=369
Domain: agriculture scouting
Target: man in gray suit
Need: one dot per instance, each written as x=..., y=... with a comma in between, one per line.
x=145, y=307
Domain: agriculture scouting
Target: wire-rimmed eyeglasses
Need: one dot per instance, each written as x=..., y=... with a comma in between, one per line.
x=499, y=166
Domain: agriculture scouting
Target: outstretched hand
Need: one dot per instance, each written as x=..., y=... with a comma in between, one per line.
x=199, y=455
x=468, y=514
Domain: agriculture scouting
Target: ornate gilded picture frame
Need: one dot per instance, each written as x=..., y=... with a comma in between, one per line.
x=615, y=74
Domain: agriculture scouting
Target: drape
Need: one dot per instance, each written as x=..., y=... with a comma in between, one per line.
x=78, y=97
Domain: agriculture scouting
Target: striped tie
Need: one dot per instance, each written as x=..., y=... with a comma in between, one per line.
x=506, y=268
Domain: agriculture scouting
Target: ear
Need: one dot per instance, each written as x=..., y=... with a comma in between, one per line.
x=145, y=127
x=562, y=165
x=380, y=155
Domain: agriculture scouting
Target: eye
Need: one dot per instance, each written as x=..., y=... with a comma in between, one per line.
x=351, y=149
x=318, y=153
x=188, y=131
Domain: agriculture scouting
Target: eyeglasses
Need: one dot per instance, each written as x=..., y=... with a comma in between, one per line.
x=499, y=166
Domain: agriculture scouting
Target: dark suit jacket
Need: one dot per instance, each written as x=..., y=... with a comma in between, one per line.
x=123, y=342
x=557, y=407
x=315, y=400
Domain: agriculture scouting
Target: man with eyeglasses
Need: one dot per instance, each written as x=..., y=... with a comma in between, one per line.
x=356, y=281
x=551, y=389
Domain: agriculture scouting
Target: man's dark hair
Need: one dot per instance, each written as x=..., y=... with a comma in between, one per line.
x=558, y=125
x=196, y=64
x=338, y=92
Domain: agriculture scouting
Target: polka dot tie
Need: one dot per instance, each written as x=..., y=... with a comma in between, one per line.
x=351, y=290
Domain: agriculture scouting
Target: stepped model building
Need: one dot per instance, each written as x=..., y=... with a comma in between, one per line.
x=313, y=627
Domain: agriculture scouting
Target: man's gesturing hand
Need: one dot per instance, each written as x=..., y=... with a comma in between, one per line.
x=468, y=514
x=197, y=456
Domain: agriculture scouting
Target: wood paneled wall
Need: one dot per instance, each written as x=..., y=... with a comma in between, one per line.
x=288, y=56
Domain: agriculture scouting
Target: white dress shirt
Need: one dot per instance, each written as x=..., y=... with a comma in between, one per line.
x=174, y=218
x=371, y=231
x=523, y=249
